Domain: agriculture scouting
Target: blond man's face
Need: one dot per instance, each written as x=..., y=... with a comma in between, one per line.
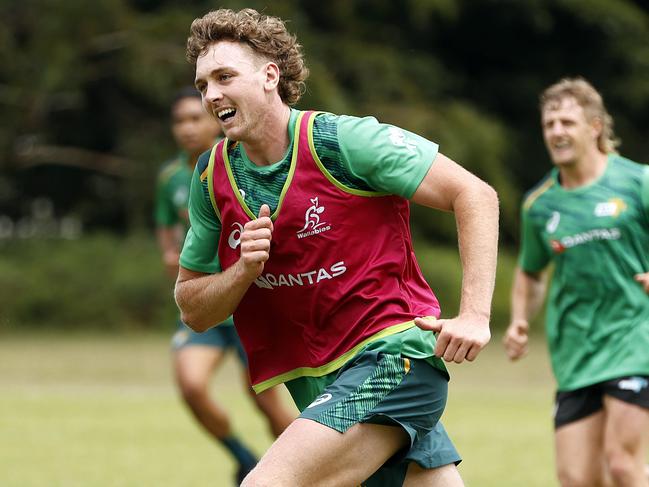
x=568, y=134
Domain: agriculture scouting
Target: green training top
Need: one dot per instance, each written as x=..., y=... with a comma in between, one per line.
x=597, y=236
x=172, y=198
x=361, y=154
x=172, y=193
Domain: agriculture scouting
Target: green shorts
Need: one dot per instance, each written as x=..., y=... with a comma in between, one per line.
x=386, y=389
x=223, y=336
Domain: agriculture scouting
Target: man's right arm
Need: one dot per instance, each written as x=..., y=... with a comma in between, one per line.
x=528, y=294
x=168, y=239
x=208, y=299
x=528, y=287
x=167, y=226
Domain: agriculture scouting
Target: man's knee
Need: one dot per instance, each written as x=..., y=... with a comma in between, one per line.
x=573, y=477
x=622, y=465
x=193, y=391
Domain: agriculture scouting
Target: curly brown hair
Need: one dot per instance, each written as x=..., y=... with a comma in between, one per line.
x=590, y=100
x=267, y=36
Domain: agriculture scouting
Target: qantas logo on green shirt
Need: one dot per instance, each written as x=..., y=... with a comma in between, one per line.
x=597, y=234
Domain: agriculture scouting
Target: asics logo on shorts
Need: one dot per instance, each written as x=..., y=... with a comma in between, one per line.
x=635, y=384
x=320, y=400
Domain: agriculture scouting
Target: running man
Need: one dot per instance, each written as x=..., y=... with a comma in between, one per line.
x=590, y=218
x=196, y=356
x=309, y=213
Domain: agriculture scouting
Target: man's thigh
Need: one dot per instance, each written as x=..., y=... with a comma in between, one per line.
x=196, y=355
x=194, y=366
x=220, y=337
x=627, y=427
x=405, y=397
x=309, y=453
x=579, y=449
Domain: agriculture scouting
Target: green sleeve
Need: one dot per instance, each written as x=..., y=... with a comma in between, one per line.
x=388, y=158
x=200, y=250
x=165, y=214
x=533, y=255
x=645, y=190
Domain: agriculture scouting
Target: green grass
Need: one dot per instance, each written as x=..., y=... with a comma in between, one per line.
x=101, y=411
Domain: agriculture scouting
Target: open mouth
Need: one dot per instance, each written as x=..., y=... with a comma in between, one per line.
x=226, y=114
x=560, y=145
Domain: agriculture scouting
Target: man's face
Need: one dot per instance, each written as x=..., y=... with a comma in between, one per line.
x=231, y=79
x=193, y=128
x=568, y=135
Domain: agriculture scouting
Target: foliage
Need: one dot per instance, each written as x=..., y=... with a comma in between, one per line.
x=105, y=282
x=443, y=270
x=98, y=76
x=100, y=282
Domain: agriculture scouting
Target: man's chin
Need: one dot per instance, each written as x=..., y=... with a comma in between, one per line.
x=562, y=159
x=232, y=134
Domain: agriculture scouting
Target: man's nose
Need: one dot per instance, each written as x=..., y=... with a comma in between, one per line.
x=213, y=93
x=556, y=128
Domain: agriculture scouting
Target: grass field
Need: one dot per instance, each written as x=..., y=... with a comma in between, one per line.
x=101, y=411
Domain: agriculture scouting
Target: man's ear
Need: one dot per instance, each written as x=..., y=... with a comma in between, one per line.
x=596, y=127
x=272, y=76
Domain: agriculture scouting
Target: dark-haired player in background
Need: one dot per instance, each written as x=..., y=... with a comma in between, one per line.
x=196, y=356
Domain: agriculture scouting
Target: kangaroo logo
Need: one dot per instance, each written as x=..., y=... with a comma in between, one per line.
x=312, y=216
x=312, y=223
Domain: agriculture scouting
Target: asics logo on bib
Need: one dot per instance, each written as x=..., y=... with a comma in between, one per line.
x=270, y=281
x=234, y=240
x=320, y=400
x=312, y=223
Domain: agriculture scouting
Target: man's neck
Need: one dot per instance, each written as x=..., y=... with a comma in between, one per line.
x=192, y=157
x=271, y=138
x=586, y=170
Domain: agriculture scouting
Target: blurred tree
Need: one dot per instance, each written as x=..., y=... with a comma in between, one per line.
x=85, y=87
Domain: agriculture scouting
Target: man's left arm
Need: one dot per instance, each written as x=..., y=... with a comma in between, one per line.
x=643, y=277
x=169, y=238
x=449, y=187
